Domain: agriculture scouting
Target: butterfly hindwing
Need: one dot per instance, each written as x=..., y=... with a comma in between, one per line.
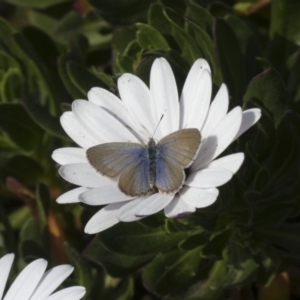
x=175, y=152
x=128, y=161
x=169, y=175
x=134, y=181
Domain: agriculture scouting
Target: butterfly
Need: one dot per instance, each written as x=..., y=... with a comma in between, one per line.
x=144, y=169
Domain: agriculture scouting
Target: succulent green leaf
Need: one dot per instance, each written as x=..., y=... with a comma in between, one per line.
x=171, y=272
x=187, y=44
x=147, y=240
x=268, y=89
x=230, y=59
x=149, y=38
x=41, y=117
x=248, y=44
x=36, y=3
x=115, y=264
x=83, y=272
x=19, y=128
x=201, y=16
x=43, y=203
x=32, y=241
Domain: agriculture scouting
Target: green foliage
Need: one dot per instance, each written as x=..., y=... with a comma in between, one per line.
x=55, y=51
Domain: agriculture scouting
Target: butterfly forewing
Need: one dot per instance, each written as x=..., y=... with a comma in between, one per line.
x=182, y=146
x=128, y=161
x=175, y=152
x=111, y=159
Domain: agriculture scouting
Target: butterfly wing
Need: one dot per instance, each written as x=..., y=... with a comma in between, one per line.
x=175, y=152
x=128, y=161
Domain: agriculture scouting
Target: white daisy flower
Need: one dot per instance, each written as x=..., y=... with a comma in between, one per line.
x=106, y=119
x=33, y=283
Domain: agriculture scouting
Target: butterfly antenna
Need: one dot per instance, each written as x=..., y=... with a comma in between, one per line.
x=157, y=125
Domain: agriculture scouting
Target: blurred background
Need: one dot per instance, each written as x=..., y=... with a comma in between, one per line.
x=246, y=245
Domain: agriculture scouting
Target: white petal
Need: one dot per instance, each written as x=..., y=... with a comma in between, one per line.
x=76, y=132
x=5, y=266
x=217, y=110
x=136, y=97
x=111, y=104
x=230, y=162
x=69, y=155
x=27, y=281
x=104, y=195
x=103, y=219
x=196, y=96
x=84, y=175
x=126, y=212
x=71, y=293
x=51, y=280
x=106, y=99
x=198, y=197
x=152, y=204
x=101, y=124
x=178, y=208
x=208, y=178
x=250, y=117
x=165, y=97
x=219, y=139
x=71, y=196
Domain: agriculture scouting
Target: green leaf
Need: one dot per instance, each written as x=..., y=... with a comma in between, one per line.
x=36, y=3
x=32, y=242
x=40, y=75
x=195, y=240
x=188, y=46
x=18, y=126
x=18, y=217
x=285, y=20
x=41, y=117
x=285, y=236
x=83, y=272
x=62, y=28
x=18, y=167
x=82, y=78
x=216, y=244
x=43, y=203
x=293, y=82
x=158, y=20
x=171, y=272
x=284, y=31
x=206, y=46
x=149, y=38
x=122, y=11
x=230, y=59
x=11, y=85
x=268, y=88
x=248, y=44
x=147, y=240
x=41, y=21
x=236, y=269
x=72, y=89
x=115, y=264
x=201, y=16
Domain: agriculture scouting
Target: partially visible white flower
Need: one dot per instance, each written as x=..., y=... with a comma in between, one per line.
x=104, y=118
x=33, y=283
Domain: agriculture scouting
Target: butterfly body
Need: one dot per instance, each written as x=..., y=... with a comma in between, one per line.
x=143, y=169
x=152, y=152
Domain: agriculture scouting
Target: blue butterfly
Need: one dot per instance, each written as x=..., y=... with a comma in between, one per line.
x=144, y=169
